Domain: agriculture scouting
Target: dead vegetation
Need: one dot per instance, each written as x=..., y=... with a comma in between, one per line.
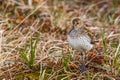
x=34, y=42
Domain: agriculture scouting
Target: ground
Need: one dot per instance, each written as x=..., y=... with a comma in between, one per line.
x=34, y=40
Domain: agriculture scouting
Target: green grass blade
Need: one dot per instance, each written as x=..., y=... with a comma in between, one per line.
x=65, y=60
x=103, y=40
x=24, y=56
x=32, y=54
x=117, y=53
x=32, y=51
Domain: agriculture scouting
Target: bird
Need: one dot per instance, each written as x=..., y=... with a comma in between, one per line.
x=80, y=38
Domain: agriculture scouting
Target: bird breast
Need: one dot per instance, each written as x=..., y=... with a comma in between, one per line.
x=81, y=43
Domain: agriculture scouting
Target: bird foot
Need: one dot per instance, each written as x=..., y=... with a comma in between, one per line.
x=82, y=68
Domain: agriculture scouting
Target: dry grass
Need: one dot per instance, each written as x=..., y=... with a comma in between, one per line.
x=34, y=43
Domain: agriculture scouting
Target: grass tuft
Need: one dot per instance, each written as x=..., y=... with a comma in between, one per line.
x=29, y=60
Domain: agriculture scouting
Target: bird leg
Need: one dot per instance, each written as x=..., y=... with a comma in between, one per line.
x=83, y=66
x=83, y=56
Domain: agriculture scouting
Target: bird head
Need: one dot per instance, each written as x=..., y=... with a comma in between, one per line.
x=76, y=22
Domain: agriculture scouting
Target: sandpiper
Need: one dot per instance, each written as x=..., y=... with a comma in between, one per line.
x=80, y=38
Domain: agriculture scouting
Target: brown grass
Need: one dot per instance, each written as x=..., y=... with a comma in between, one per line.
x=49, y=21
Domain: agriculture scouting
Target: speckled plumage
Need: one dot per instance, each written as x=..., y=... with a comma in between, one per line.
x=79, y=38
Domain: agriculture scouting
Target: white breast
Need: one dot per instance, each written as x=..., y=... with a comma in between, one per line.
x=80, y=43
